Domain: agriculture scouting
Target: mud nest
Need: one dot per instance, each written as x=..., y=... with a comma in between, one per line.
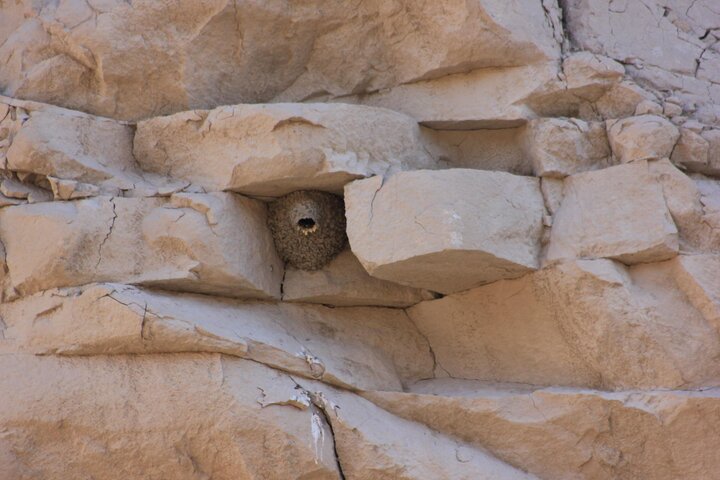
x=308, y=227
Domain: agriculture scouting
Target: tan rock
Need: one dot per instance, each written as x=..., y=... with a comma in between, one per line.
x=12, y=188
x=344, y=282
x=208, y=243
x=648, y=107
x=691, y=151
x=375, y=445
x=559, y=147
x=445, y=230
x=215, y=243
x=619, y=212
x=475, y=100
x=80, y=155
x=590, y=323
x=666, y=46
x=157, y=416
x=71, y=190
x=645, y=137
x=358, y=348
x=73, y=146
x=622, y=100
x=590, y=75
x=271, y=150
x=689, y=200
x=712, y=136
x=672, y=110
x=571, y=433
x=137, y=61
x=498, y=149
x=552, y=190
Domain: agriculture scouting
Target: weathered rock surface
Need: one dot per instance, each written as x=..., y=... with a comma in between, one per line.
x=698, y=151
x=138, y=60
x=497, y=149
x=559, y=147
x=373, y=444
x=477, y=99
x=590, y=323
x=590, y=75
x=694, y=204
x=344, y=282
x=646, y=137
x=445, y=230
x=73, y=154
x=618, y=212
x=272, y=150
x=669, y=46
x=564, y=433
x=149, y=328
x=153, y=416
x=207, y=243
x=365, y=348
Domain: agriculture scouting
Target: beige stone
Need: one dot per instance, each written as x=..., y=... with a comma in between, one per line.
x=645, y=137
x=75, y=154
x=12, y=188
x=445, y=230
x=667, y=46
x=477, y=99
x=552, y=190
x=271, y=150
x=691, y=151
x=207, y=243
x=564, y=433
x=618, y=212
x=589, y=323
x=71, y=190
x=712, y=136
x=622, y=100
x=157, y=416
x=590, y=75
x=648, y=107
x=344, y=282
x=357, y=348
x=689, y=200
x=72, y=146
x=140, y=60
x=672, y=110
x=498, y=149
x=375, y=445
x=560, y=147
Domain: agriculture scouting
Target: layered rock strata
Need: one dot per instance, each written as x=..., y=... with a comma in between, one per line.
x=530, y=191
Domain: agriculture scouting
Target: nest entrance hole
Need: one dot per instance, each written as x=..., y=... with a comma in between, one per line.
x=306, y=223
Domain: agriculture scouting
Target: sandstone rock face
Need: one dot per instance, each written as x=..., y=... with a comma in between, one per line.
x=589, y=323
x=344, y=282
x=207, y=243
x=559, y=148
x=645, y=137
x=314, y=341
x=272, y=150
x=130, y=61
x=153, y=415
x=474, y=100
x=73, y=155
x=669, y=46
x=568, y=433
x=512, y=273
x=445, y=230
x=618, y=212
x=374, y=451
